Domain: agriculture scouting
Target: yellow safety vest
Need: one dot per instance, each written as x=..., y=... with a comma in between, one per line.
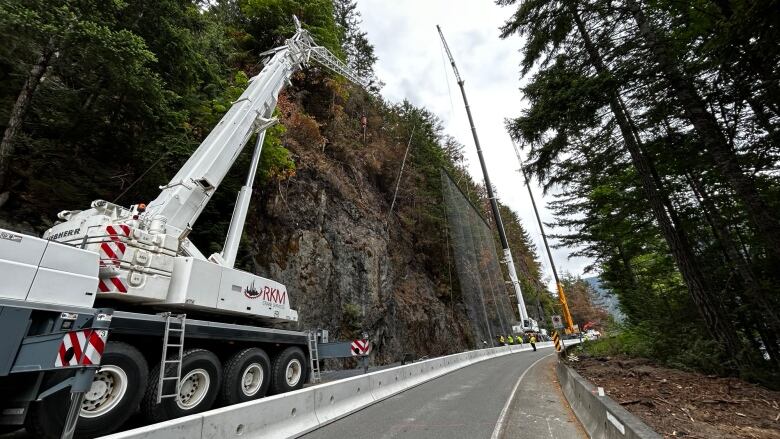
x=511, y=340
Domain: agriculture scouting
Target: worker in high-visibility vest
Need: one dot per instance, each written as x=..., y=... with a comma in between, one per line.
x=532, y=340
x=510, y=339
x=501, y=340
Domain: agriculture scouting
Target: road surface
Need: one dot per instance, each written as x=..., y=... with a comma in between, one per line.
x=519, y=389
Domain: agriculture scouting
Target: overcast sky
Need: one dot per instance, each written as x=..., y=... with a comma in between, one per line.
x=413, y=66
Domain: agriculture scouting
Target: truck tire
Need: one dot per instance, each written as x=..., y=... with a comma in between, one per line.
x=115, y=394
x=201, y=375
x=289, y=371
x=247, y=377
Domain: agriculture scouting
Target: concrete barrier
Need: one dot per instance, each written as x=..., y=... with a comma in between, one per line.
x=449, y=363
x=419, y=373
x=461, y=360
x=386, y=383
x=600, y=415
x=296, y=413
x=435, y=367
x=285, y=415
x=334, y=400
x=187, y=427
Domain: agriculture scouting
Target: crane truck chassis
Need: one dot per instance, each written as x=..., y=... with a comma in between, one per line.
x=97, y=317
x=71, y=370
x=53, y=351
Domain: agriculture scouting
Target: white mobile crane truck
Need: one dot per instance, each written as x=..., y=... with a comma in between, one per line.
x=93, y=316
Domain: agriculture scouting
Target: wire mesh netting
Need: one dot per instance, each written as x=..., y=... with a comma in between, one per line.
x=482, y=285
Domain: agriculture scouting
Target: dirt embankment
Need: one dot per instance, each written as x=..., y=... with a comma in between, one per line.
x=683, y=404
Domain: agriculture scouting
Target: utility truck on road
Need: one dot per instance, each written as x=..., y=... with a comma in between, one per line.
x=115, y=310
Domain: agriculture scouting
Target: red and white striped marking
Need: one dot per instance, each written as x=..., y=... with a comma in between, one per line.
x=81, y=348
x=111, y=251
x=360, y=347
x=112, y=285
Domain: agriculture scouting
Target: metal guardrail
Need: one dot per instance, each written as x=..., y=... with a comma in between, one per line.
x=601, y=416
x=295, y=413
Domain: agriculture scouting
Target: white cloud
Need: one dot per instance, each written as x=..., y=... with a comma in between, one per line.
x=413, y=66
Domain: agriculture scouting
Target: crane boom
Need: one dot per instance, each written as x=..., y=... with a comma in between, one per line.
x=561, y=295
x=145, y=256
x=510, y=265
x=182, y=200
x=449, y=55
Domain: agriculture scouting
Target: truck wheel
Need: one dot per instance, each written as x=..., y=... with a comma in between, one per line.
x=201, y=374
x=247, y=377
x=112, y=399
x=289, y=370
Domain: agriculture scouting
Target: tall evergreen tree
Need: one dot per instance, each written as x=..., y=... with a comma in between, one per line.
x=359, y=51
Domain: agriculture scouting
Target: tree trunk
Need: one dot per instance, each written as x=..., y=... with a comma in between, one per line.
x=769, y=338
x=714, y=315
x=20, y=108
x=671, y=210
x=755, y=294
x=762, y=70
x=760, y=215
x=627, y=264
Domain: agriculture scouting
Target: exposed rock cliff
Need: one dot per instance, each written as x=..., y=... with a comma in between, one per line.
x=327, y=234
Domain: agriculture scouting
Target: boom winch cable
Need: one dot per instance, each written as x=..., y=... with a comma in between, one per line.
x=400, y=173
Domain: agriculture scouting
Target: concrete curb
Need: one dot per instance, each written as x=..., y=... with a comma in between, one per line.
x=601, y=416
x=295, y=413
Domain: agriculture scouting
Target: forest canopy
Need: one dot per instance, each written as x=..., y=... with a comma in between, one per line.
x=658, y=122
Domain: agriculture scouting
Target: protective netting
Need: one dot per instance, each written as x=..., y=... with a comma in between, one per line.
x=482, y=285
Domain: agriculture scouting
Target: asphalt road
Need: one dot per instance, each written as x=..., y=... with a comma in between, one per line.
x=466, y=403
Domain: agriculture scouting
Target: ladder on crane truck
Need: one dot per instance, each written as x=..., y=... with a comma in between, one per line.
x=93, y=315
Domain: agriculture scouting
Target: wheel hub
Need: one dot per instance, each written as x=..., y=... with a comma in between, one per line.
x=107, y=390
x=193, y=388
x=252, y=379
x=97, y=390
x=293, y=372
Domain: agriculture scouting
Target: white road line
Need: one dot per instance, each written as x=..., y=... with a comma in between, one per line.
x=500, y=422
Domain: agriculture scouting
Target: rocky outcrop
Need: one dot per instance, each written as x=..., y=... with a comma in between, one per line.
x=325, y=234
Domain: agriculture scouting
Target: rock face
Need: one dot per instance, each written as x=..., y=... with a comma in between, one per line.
x=327, y=233
x=326, y=236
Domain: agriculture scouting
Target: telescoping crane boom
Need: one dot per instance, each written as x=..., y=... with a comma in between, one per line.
x=146, y=256
x=527, y=323
x=183, y=199
x=559, y=286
